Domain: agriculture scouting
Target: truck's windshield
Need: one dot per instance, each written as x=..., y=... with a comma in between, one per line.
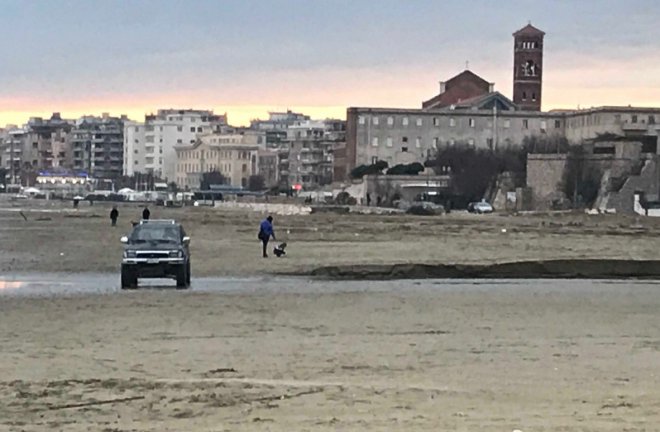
x=155, y=233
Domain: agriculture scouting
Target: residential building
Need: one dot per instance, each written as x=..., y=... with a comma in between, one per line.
x=46, y=144
x=98, y=145
x=11, y=151
x=276, y=126
x=149, y=147
x=307, y=160
x=236, y=156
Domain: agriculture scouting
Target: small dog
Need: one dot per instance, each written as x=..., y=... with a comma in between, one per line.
x=279, y=250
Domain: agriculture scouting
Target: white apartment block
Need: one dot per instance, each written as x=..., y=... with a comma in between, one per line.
x=149, y=147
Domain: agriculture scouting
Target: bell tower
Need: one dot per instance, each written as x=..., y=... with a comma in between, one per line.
x=528, y=67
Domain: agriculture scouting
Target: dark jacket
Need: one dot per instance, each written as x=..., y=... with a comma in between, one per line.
x=145, y=214
x=114, y=214
x=266, y=230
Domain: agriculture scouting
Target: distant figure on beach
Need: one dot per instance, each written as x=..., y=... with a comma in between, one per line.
x=114, y=214
x=265, y=233
x=377, y=201
x=146, y=213
x=368, y=200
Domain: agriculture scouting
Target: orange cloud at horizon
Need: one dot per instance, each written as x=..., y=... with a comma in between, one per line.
x=327, y=93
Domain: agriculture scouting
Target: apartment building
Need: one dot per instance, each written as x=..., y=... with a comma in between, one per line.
x=98, y=145
x=276, y=126
x=149, y=147
x=236, y=156
x=46, y=144
x=306, y=158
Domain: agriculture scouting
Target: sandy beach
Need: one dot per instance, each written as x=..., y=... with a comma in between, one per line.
x=56, y=238
x=437, y=355
x=280, y=354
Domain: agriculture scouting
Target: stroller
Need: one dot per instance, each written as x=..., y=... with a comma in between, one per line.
x=279, y=250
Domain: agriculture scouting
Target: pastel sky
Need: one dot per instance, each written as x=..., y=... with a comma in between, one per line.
x=248, y=57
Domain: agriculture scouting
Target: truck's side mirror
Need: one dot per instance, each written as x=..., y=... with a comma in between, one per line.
x=186, y=240
x=124, y=239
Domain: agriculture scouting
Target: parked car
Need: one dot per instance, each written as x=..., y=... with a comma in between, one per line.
x=480, y=207
x=156, y=249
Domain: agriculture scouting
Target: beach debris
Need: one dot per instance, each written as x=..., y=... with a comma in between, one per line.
x=101, y=402
x=504, y=230
x=221, y=370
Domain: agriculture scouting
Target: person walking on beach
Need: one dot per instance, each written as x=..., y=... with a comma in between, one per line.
x=146, y=213
x=265, y=233
x=114, y=214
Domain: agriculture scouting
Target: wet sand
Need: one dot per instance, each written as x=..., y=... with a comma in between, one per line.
x=397, y=355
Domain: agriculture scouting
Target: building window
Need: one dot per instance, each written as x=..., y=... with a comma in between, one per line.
x=390, y=121
x=404, y=121
x=651, y=119
x=192, y=129
x=524, y=96
x=452, y=122
x=179, y=141
x=374, y=160
x=404, y=139
x=361, y=119
x=525, y=124
x=389, y=141
x=471, y=121
x=135, y=151
x=557, y=124
x=374, y=141
x=376, y=121
x=634, y=119
x=179, y=128
x=489, y=143
x=419, y=122
x=435, y=143
x=471, y=142
x=507, y=124
x=436, y=121
x=533, y=97
x=404, y=149
x=452, y=142
x=418, y=142
x=543, y=125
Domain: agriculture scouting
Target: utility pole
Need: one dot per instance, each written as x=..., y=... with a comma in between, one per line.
x=495, y=127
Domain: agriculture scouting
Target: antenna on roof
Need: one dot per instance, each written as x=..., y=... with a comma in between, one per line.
x=467, y=65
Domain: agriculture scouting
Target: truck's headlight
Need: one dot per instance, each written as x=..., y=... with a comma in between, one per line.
x=129, y=254
x=176, y=254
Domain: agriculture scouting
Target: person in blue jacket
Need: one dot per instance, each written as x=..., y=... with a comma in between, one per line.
x=265, y=233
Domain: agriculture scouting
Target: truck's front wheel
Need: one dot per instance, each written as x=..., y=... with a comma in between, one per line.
x=129, y=278
x=182, y=277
